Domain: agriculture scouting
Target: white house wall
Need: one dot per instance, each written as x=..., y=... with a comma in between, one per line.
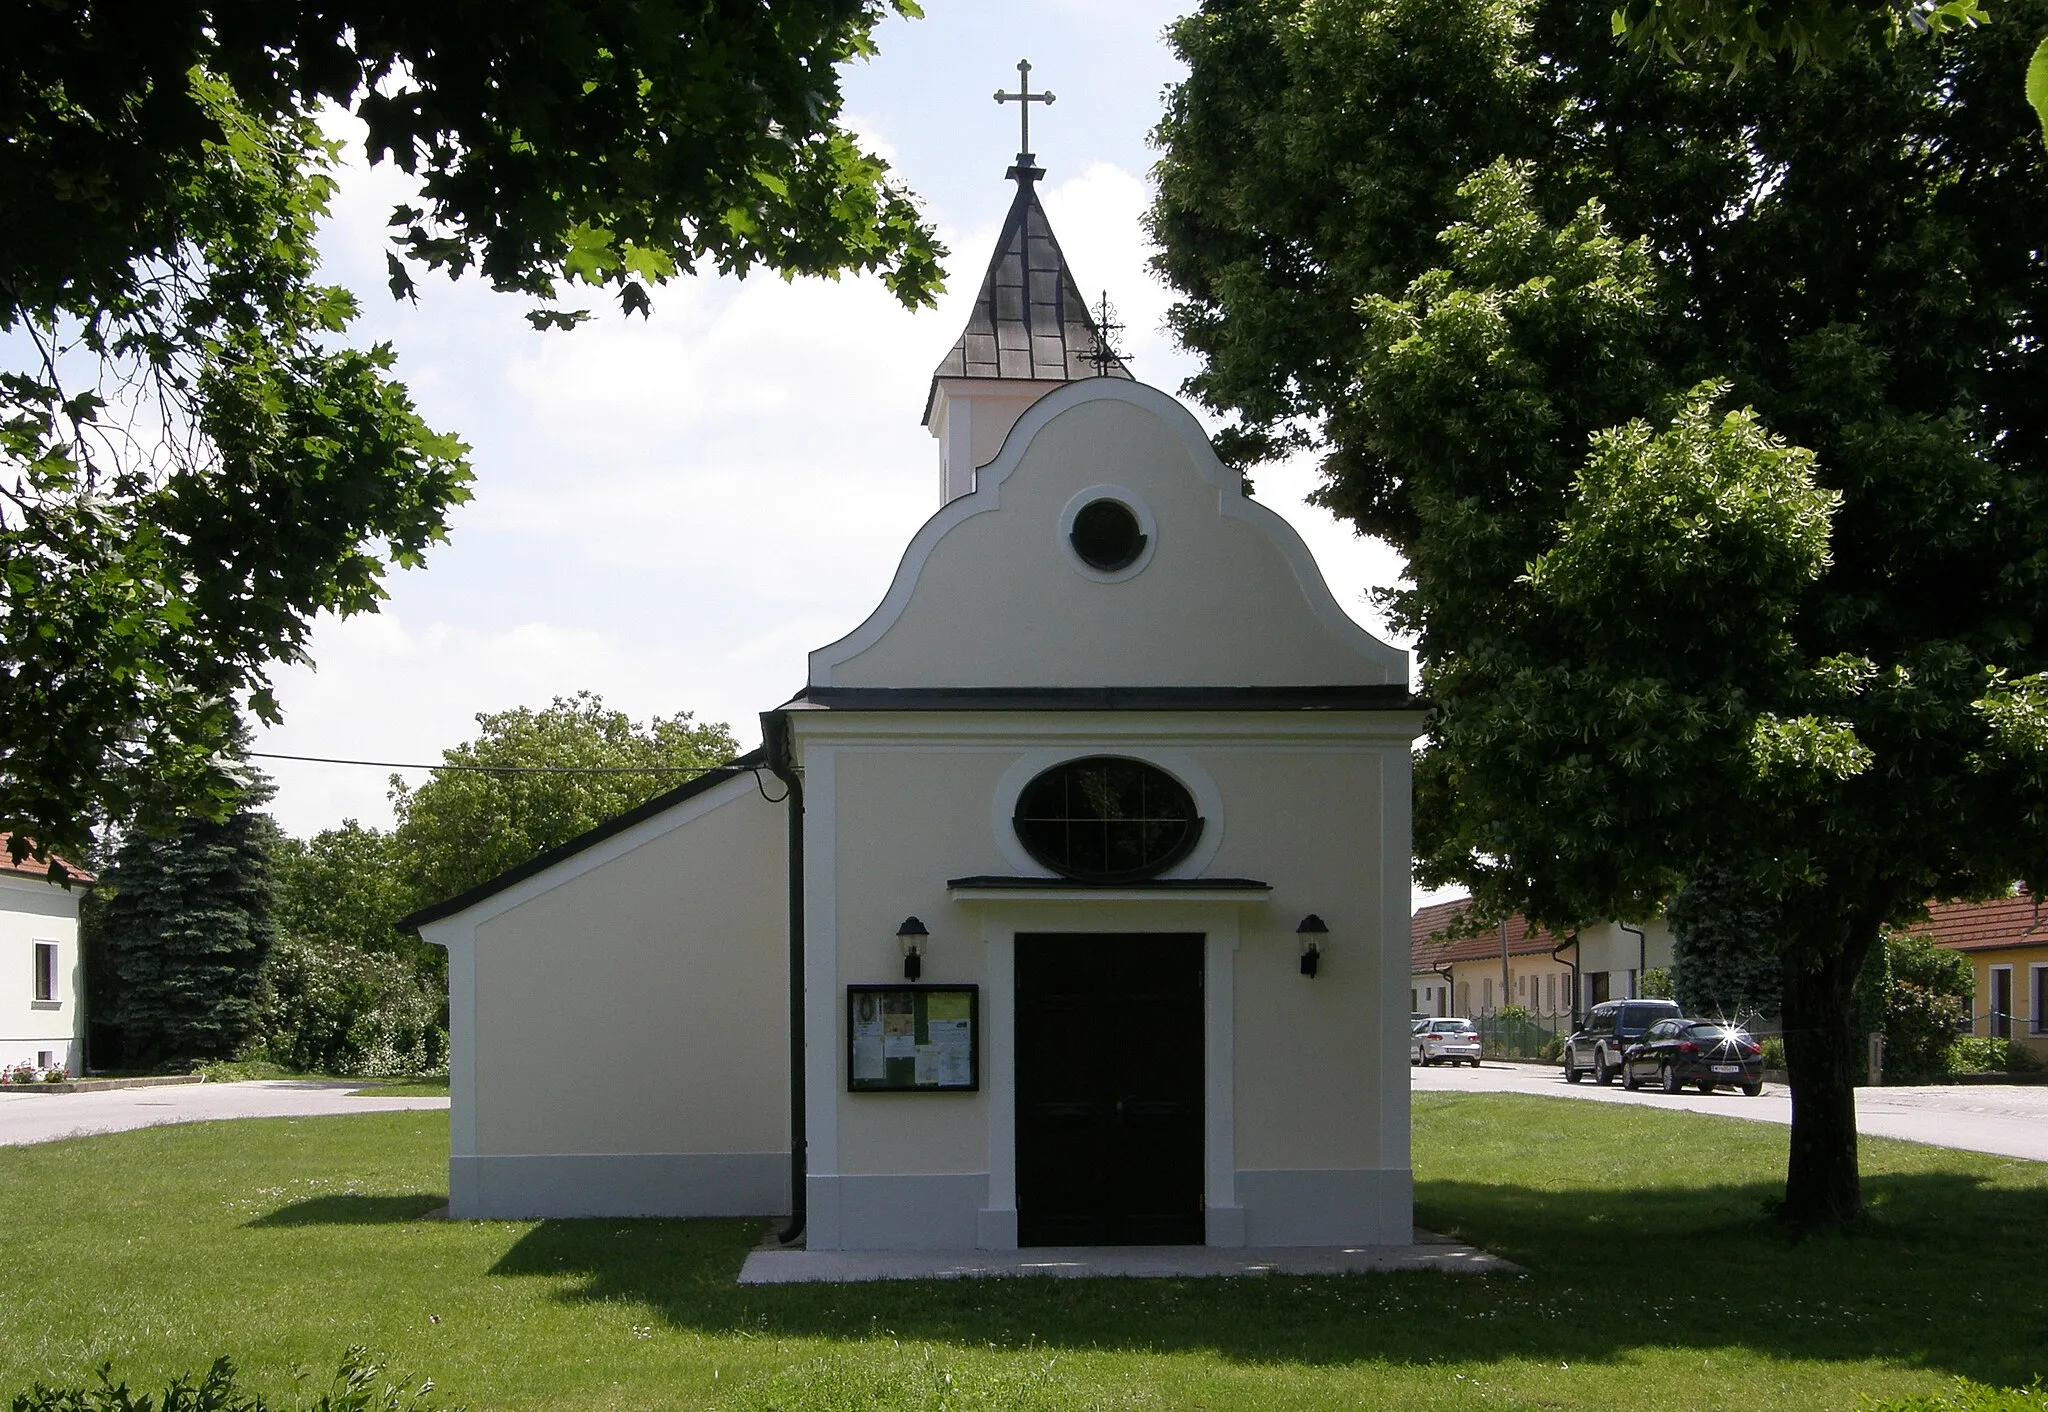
x=1604, y=946
x=620, y=1024
x=32, y=910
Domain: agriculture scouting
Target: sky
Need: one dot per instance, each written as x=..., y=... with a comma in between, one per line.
x=672, y=512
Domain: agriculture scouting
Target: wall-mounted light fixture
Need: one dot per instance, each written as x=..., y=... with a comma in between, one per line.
x=913, y=937
x=1311, y=934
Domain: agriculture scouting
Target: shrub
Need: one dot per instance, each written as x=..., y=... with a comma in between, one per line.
x=1774, y=1053
x=1656, y=984
x=22, y=1073
x=1553, y=1050
x=358, y=1387
x=1975, y=1054
x=1917, y=995
x=343, y=1010
x=55, y=1075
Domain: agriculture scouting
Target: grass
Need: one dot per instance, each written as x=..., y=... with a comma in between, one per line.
x=401, y=1088
x=1654, y=1281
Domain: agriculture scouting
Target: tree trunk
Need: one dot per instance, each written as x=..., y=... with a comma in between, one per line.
x=1824, y=1060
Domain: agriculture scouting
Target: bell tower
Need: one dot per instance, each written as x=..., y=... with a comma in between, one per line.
x=1030, y=329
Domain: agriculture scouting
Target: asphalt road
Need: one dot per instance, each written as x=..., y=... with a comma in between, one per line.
x=45, y=1117
x=2006, y=1120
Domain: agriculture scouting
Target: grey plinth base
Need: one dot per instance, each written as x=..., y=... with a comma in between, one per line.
x=104, y=1085
x=1429, y=1252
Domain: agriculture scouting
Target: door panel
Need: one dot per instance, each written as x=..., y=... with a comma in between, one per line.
x=1109, y=1090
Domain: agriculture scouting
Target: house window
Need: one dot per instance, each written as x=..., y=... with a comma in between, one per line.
x=1465, y=997
x=2038, y=978
x=1107, y=819
x=2001, y=1002
x=46, y=970
x=46, y=1058
x=1522, y=985
x=1550, y=993
x=1486, y=993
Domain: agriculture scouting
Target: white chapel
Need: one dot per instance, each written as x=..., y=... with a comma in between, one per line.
x=1067, y=904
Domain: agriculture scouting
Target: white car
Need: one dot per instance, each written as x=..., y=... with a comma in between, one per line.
x=1454, y=1041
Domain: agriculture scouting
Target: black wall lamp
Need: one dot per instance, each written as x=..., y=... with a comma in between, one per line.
x=913, y=936
x=1311, y=933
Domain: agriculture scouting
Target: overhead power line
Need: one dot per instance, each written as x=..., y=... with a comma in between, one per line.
x=499, y=769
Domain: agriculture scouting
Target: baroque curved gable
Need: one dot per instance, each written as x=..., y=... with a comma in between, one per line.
x=991, y=593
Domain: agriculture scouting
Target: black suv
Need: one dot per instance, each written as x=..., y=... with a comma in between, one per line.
x=1611, y=1027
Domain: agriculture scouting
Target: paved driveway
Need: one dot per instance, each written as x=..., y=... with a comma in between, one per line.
x=2007, y=1120
x=44, y=1117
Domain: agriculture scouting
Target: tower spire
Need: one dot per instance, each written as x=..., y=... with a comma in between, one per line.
x=1030, y=329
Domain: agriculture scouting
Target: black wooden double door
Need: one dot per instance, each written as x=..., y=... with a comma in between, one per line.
x=1109, y=1090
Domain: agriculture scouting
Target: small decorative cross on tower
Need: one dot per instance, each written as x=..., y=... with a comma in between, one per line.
x=1106, y=356
x=1024, y=99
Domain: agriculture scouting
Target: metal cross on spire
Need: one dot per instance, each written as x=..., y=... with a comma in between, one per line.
x=1024, y=98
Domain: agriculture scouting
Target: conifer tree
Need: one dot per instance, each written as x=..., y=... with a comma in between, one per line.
x=187, y=929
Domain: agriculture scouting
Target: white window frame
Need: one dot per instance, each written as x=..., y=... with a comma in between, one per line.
x=1991, y=1010
x=46, y=984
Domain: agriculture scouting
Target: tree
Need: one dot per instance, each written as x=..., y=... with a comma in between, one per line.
x=189, y=472
x=1917, y=995
x=1724, y=947
x=192, y=464
x=1707, y=415
x=344, y=991
x=344, y=887
x=567, y=768
x=186, y=932
x=1732, y=33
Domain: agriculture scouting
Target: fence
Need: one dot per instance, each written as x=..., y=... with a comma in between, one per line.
x=1515, y=1033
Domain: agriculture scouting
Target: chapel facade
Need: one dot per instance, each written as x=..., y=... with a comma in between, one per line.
x=1067, y=904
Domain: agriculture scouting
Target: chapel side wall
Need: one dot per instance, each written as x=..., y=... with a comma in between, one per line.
x=1217, y=589
x=1314, y=1096
x=906, y=820
x=31, y=911
x=631, y=1033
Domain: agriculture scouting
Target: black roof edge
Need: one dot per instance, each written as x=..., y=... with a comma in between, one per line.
x=539, y=863
x=1389, y=697
x=982, y=881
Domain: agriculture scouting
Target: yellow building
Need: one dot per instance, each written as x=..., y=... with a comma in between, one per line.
x=2007, y=947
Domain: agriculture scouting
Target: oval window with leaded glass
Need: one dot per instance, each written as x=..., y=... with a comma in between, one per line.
x=1105, y=818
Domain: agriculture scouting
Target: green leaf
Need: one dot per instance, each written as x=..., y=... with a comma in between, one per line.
x=2037, y=85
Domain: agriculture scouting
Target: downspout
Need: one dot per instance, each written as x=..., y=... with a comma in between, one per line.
x=1505, y=999
x=1642, y=958
x=775, y=737
x=1573, y=942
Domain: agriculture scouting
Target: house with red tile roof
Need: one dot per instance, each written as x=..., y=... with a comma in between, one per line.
x=1460, y=969
x=42, y=986
x=2006, y=941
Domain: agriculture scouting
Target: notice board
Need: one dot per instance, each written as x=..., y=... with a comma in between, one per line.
x=913, y=1038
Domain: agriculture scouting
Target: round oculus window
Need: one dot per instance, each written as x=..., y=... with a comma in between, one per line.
x=1107, y=535
x=1105, y=818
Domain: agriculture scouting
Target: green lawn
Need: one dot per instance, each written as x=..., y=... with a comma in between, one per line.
x=1653, y=1282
